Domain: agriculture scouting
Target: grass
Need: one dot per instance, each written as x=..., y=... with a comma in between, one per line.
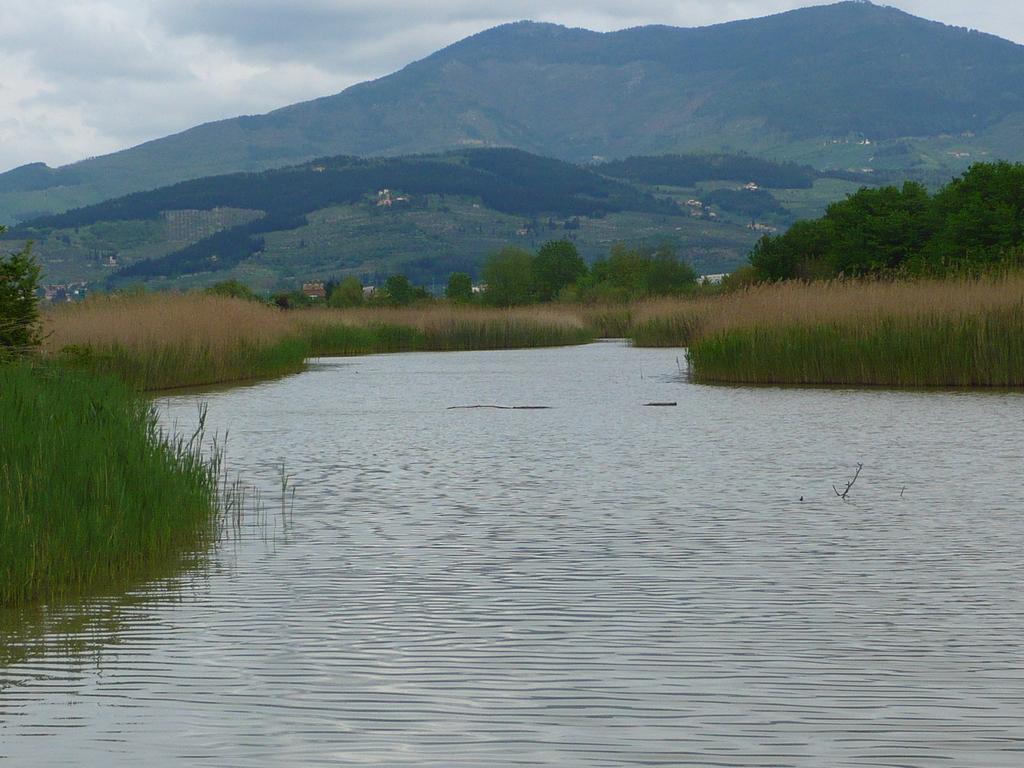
x=92, y=495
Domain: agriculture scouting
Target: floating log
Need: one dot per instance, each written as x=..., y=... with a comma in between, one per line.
x=660, y=405
x=501, y=407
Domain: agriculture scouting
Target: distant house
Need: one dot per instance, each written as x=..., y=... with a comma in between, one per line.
x=751, y=186
x=314, y=290
x=368, y=291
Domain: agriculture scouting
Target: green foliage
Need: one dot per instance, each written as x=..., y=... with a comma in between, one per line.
x=234, y=289
x=91, y=494
x=629, y=274
x=973, y=223
x=400, y=292
x=556, y=266
x=347, y=293
x=509, y=277
x=977, y=218
x=19, y=305
x=459, y=289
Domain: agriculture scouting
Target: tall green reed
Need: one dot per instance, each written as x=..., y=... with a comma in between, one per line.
x=92, y=494
x=983, y=349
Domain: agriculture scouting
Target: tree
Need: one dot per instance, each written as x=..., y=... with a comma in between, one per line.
x=509, y=277
x=667, y=275
x=19, y=305
x=557, y=265
x=400, y=291
x=347, y=293
x=234, y=289
x=459, y=289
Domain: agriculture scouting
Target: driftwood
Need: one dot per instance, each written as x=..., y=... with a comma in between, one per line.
x=501, y=407
x=849, y=485
x=660, y=405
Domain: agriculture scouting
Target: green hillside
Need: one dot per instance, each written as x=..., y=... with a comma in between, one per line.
x=427, y=216
x=847, y=86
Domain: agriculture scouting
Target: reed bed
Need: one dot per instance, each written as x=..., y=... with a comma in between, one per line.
x=439, y=328
x=163, y=341
x=974, y=350
x=684, y=322
x=955, y=333
x=92, y=495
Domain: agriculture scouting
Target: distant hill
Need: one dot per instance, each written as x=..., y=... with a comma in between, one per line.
x=850, y=86
x=426, y=215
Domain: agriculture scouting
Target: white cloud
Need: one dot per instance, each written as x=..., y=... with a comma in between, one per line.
x=84, y=77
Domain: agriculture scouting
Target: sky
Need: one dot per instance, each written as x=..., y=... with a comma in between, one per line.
x=87, y=77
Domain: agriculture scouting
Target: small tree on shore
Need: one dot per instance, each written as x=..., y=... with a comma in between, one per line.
x=19, y=305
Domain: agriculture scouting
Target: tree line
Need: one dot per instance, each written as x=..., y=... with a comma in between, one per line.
x=514, y=276
x=974, y=223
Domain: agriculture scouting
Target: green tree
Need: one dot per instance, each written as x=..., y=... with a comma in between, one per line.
x=459, y=289
x=667, y=275
x=400, y=291
x=509, y=277
x=234, y=289
x=19, y=304
x=347, y=293
x=557, y=265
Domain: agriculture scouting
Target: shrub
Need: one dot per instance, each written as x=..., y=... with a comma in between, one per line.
x=19, y=305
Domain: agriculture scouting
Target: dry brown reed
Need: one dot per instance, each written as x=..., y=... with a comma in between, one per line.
x=162, y=341
x=680, y=322
x=164, y=319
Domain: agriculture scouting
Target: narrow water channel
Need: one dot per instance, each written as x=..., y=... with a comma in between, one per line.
x=599, y=583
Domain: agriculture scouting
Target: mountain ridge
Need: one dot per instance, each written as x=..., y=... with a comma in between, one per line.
x=779, y=85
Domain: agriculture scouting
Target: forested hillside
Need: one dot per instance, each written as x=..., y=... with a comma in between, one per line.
x=849, y=87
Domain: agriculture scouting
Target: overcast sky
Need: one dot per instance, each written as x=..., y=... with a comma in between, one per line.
x=87, y=77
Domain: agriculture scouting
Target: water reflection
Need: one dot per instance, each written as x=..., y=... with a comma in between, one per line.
x=597, y=584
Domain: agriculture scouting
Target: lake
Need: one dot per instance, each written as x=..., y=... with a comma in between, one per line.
x=595, y=584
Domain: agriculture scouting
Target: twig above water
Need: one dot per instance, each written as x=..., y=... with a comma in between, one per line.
x=849, y=485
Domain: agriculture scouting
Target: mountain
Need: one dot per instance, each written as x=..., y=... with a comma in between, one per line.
x=850, y=85
x=425, y=215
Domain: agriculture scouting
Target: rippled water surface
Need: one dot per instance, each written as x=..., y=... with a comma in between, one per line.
x=598, y=584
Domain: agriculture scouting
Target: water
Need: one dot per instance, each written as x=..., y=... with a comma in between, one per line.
x=596, y=584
